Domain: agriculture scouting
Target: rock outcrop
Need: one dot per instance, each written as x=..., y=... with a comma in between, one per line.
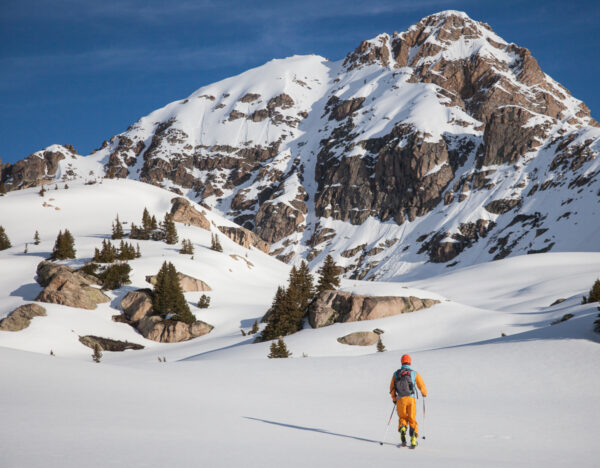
x=65, y=286
x=183, y=212
x=340, y=307
x=363, y=338
x=244, y=237
x=20, y=318
x=186, y=282
x=170, y=331
x=136, y=305
x=108, y=344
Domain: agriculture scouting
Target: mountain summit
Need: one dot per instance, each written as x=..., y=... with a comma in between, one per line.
x=442, y=145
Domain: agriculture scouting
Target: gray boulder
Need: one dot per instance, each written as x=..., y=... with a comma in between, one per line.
x=187, y=283
x=136, y=305
x=158, y=329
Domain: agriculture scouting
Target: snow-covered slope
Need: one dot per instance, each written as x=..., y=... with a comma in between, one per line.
x=439, y=147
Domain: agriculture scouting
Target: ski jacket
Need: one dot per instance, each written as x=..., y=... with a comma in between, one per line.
x=416, y=380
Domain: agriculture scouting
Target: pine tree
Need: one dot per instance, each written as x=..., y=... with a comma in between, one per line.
x=254, y=328
x=107, y=254
x=117, y=229
x=138, y=253
x=168, y=298
x=169, y=230
x=36, y=238
x=594, y=295
x=2, y=190
x=187, y=247
x=42, y=191
x=97, y=355
x=115, y=276
x=380, y=346
x=4, y=241
x=26, y=250
x=153, y=223
x=329, y=276
x=215, y=244
x=66, y=187
x=146, y=222
x=279, y=350
x=282, y=316
x=304, y=283
x=204, y=302
x=63, y=246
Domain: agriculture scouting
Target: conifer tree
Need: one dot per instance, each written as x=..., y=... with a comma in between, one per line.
x=115, y=276
x=4, y=241
x=146, y=222
x=282, y=316
x=329, y=276
x=26, y=250
x=138, y=253
x=64, y=246
x=187, y=247
x=2, y=189
x=279, y=350
x=169, y=230
x=36, y=238
x=107, y=254
x=153, y=223
x=380, y=346
x=66, y=187
x=42, y=191
x=594, y=295
x=168, y=298
x=215, y=244
x=254, y=328
x=97, y=355
x=117, y=229
x=204, y=302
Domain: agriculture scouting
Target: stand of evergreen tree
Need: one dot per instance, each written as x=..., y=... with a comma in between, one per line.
x=36, y=238
x=108, y=253
x=329, y=276
x=279, y=350
x=215, y=244
x=204, y=302
x=290, y=306
x=64, y=246
x=117, y=229
x=186, y=247
x=169, y=230
x=168, y=298
x=4, y=241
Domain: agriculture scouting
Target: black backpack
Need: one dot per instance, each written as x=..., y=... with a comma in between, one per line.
x=404, y=385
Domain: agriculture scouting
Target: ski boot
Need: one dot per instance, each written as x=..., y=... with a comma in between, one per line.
x=402, y=431
x=413, y=438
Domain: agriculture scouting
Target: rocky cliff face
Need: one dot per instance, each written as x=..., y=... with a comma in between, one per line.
x=441, y=144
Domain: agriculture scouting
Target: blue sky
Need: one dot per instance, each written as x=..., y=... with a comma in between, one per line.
x=78, y=72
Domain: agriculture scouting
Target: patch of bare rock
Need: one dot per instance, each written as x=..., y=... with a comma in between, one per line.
x=187, y=283
x=20, y=318
x=245, y=238
x=340, y=307
x=183, y=212
x=65, y=286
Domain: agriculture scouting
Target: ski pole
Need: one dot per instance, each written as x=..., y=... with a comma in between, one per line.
x=388, y=424
x=423, y=424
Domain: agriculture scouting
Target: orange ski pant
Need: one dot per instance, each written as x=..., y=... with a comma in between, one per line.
x=407, y=412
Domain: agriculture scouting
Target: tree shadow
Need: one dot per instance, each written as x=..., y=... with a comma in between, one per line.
x=321, y=431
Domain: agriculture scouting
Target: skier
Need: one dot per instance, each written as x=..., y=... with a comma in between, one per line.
x=403, y=389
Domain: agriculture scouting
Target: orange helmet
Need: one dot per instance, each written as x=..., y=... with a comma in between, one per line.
x=405, y=359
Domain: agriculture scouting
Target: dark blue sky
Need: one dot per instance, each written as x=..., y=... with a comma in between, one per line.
x=73, y=71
